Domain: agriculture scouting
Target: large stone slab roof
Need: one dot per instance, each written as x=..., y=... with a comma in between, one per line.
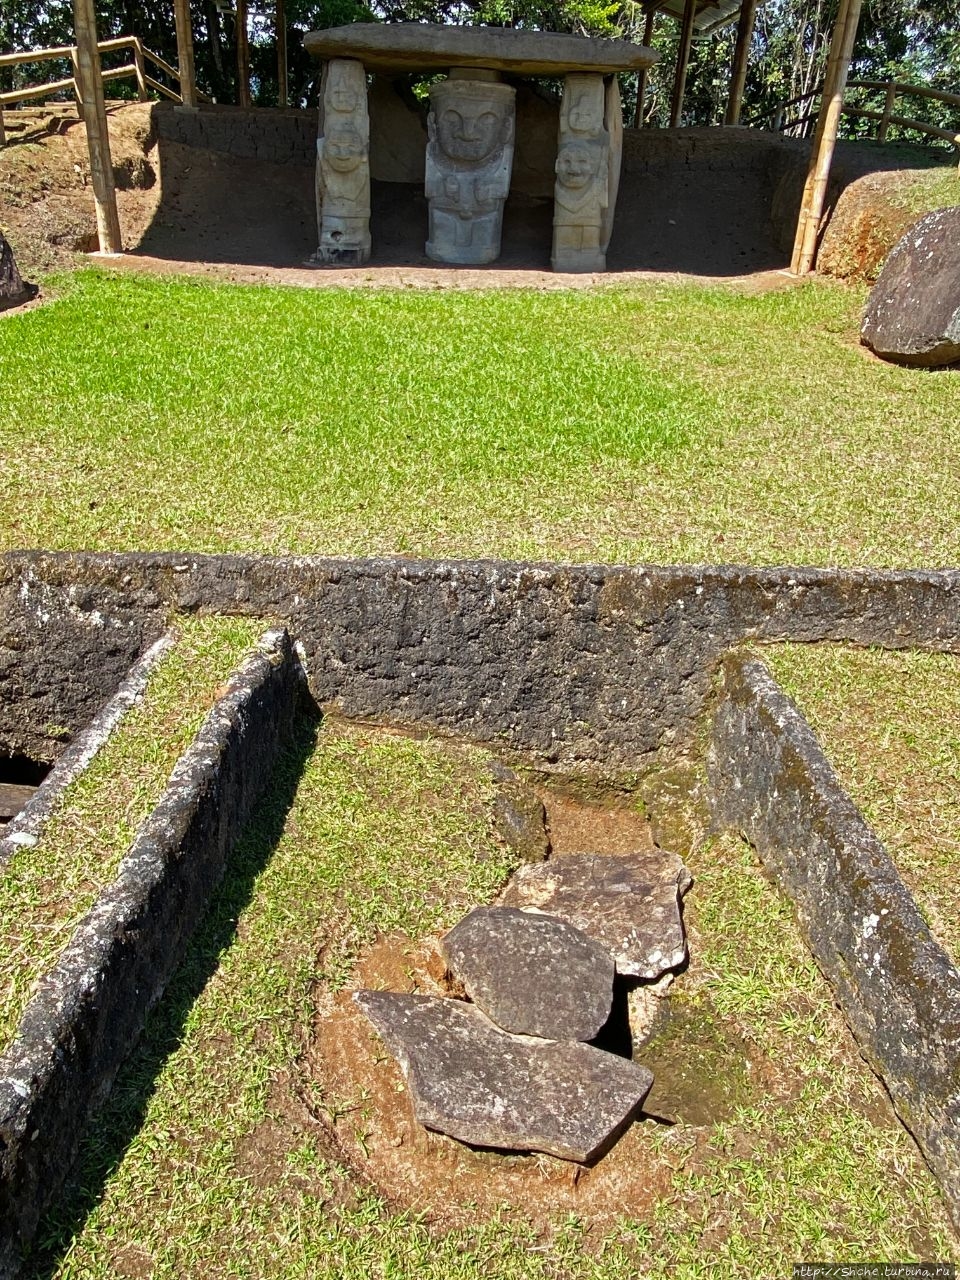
x=427, y=46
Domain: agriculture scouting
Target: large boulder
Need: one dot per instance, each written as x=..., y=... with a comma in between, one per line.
x=913, y=313
x=13, y=289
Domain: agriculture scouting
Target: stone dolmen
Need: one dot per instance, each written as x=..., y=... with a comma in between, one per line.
x=471, y=135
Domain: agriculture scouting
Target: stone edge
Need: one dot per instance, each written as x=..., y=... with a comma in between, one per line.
x=26, y=827
x=769, y=779
x=90, y=1010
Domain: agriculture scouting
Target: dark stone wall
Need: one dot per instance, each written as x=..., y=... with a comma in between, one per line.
x=899, y=991
x=90, y=1009
x=595, y=669
x=279, y=136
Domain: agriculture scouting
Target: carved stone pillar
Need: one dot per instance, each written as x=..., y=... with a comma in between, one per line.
x=343, y=165
x=588, y=173
x=469, y=161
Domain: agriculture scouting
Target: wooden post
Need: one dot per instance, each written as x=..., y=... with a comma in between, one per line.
x=243, y=55
x=888, y=104
x=282, y=91
x=3, y=131
x=141, y=70
x=77, y=91
x=683, y=61
x=643, y=76
x=188, y=75
x=98, y=137
x=741, y=56
x=825, y=138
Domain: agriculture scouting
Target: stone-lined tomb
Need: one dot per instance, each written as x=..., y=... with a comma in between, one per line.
x=615, y=677
x=471, y=135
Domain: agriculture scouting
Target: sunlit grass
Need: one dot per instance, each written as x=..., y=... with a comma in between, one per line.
x=661, y=423
x=47, y=888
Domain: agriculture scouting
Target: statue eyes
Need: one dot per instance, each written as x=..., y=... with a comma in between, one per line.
x=489, y=120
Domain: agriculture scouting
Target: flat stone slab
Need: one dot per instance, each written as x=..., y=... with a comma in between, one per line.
x=490, y=1089
x=630, y=903
x=397, y=47
x=532, y=974
x=913, y=312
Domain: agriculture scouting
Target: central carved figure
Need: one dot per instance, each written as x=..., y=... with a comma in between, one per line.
x=469, y=162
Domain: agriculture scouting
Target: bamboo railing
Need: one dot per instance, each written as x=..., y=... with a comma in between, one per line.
x=135, y=70
x=800, y=125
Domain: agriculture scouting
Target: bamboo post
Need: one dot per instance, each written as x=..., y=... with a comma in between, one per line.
x=141, y=70
x=98, y=137
x=644, y=75
x=77, y=91
x=3, y=131
x=243, y=55
x=825, y=138
x=683, y=61
x=185, y=66
x=741, y=56
x=282, y=88
x=888, y=105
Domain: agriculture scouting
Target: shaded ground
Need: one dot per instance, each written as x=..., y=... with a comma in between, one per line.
x=704, y=202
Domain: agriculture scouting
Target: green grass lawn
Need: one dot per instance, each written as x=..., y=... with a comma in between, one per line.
x=666, y=423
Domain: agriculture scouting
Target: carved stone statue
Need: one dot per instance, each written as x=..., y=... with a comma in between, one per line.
x=343, y=165
x=469, y=161
x=587, y=176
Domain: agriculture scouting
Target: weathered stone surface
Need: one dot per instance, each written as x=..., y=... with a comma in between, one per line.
x=629, y=903
x=913, y=313
x=468, y=167
x=583, y=176
x=519, y=814
x=343, y=165
x=532, y=974
x=897, y=987
x=423, y=46
x=485, y=650
x=13, y=289
x=490, y=1089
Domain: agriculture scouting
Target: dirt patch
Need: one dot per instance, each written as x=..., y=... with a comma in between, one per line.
x=612, y=825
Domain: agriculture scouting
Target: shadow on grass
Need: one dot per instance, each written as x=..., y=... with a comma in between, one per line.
x=118, y=1122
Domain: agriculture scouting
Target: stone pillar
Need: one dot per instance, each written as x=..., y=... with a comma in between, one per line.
x=343, y=165
x=588, y=172
x=469, y=162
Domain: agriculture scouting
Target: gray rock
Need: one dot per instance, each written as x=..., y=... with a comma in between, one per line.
x=490, y=1089
x=13, y=289
x=531, y=973
x=519, y=815
x=393, y=47
x=630, y=903
x=913, y=313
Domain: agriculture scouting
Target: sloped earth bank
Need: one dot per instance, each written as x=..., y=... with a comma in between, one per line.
x=706, y=202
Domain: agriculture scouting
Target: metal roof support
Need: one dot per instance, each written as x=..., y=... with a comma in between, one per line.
x=683, y=61
x=825, y=138
x=95, y=120
x=741, y=56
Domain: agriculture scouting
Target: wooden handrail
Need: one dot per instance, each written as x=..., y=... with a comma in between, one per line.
x=133, y=69
x=892, y=90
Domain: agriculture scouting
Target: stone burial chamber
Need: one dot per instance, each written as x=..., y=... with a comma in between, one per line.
x=471, y=138
x=630, y=679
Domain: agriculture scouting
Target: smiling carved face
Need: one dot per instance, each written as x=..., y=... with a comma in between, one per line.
x=343, y=149
x=576, y=167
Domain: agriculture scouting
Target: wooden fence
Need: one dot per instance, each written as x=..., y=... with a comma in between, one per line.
x=135, y=70
x=787, y=118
